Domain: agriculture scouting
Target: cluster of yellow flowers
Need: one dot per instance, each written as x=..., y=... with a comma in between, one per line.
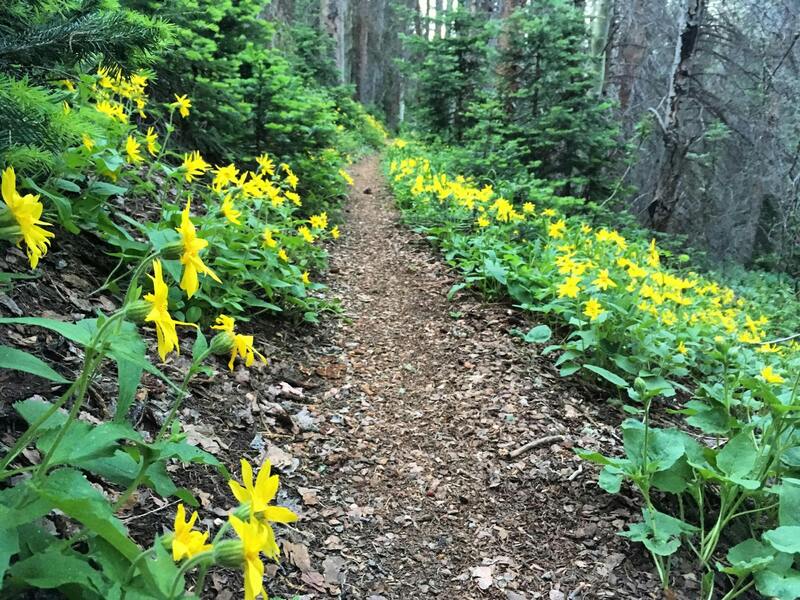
x=255, y=534
x=598, y=274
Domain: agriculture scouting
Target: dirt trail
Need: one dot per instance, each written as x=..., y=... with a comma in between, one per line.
x=409, y=488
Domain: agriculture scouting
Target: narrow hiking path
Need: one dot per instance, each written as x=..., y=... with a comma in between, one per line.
x=408, y=487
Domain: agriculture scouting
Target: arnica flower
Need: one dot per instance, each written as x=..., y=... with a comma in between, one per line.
x=113, y=110
x=653, y=259
x=483, y=221
x=346, y=176
x=87, y=141
x=191, y=261
x=152, y=141
x=259, y=493
x=306, y=233
x=240, y=345
x=593, y=309
x=133, y=150
x=319, y=221
x=305, y=278
x=556, y=230
x=282, y=255
x=604, y=281
x=682, y=348
x=335, y=232
x=159, y=314
x=569, y=288
x=265, y=164
x=294, y=197
x=529, y=208
x=227, y=208
x=269, y=241
x=195, y=165
x=27, y=211
x=549, y=212
x=256, y=537
x=186, y=542
x=183, y=104
x=224, y=176
x=770, y=376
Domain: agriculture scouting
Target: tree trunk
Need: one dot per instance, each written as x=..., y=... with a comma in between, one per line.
x=632, y=49
x=362, y=75
x=601, y=12
x=676, y=144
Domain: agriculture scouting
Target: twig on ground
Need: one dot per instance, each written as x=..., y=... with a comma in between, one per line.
x=550, y=439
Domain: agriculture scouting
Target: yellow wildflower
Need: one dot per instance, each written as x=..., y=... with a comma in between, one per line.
x=305, y=278
x=770, y=376
x=282, y=255
x=191, y=261
x=113, y=110
x=266, y=164
x=294, y=197
x=569, y=287
x=27, y=211
x=195, y=165
x=87, y=141
x=224, y=176
x=483, y=221
x=653, y=259
x=556, y=230
x=682, y=347
x=549, y=212
x=259, y=493
x=335, y=232
x=183, y=104
x=529, y=208
x=152, y=141
x=256, y=537
x=187, y=543
x=242, y=345
x=319, y=221
x=593, y=309
x=230, y=211
x=306, y=233
x=133, y=150
x=346, y=176
x=604, y=281
x=269, y=241
x=159, y=314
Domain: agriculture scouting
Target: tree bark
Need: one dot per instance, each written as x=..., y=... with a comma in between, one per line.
x=676, y=143
x=362, y=73
x=601, y=10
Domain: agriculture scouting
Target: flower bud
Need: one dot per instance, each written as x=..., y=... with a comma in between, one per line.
x=229, y=553
x=172, y=251
x=222, y=344
x=138, y=310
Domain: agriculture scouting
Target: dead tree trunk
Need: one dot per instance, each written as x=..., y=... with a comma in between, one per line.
x=676, y=142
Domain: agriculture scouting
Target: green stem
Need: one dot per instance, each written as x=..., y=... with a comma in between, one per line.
x=189, y=564
x=134, y=485
x=182, y=392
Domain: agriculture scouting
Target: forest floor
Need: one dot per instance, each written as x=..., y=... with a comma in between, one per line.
x=399, y=431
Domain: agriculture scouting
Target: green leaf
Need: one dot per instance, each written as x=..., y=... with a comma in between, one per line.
x=785, y=538
x=747, y=557
x=53, y=569
x=9, y=546
x=789, y=507
x=105, y=189
x=660, y=533
x=11, y=358
x=610, y=479
x=71, y=331
x=69, y=491
x=737, y=459
x=607, y=375
x=779, y=586
x=495, y=270
x=455, y=289
x=538, y=335
x=33, y=408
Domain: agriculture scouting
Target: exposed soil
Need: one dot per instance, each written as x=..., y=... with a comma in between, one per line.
x=394, y=429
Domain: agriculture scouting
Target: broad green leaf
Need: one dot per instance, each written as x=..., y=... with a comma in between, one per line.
x=659, y=532
x=607, y=375
x=538, y=335
x=610, y=479
x=789, y=508
x=748, y=556
x=495, y=270
x=778, y=586
x=53, y=569
x=11, y=358
x=455, y=289
x=9, y=546
x=785, y=538
x=34, y=408
x=738, y=457
x=71, y=331
x=69, y=491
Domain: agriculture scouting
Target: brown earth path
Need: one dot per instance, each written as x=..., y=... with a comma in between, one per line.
x=408, y=490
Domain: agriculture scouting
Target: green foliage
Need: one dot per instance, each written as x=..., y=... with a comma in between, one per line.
x=641, y=321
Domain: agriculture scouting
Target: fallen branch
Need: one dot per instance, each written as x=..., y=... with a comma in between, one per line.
x=550, y=439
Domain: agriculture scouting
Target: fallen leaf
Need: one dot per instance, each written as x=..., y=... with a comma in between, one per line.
x=482, y=576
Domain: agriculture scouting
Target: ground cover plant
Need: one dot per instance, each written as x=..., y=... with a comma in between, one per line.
x=723, y=481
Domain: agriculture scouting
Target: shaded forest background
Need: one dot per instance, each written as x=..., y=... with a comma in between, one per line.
x=699, y=97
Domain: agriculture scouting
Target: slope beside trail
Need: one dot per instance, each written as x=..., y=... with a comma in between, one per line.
x=408, y=488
